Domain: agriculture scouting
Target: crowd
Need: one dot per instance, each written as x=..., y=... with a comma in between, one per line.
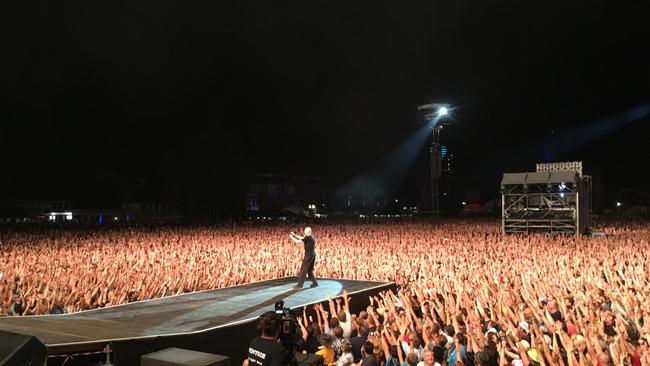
x=467, y=294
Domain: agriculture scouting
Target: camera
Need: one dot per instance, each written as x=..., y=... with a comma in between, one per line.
x=280, y=310
x=289, y=331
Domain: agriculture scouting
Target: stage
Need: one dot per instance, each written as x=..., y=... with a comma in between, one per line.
x=199, y=321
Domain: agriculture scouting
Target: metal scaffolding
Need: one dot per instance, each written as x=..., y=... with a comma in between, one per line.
x=544, y=202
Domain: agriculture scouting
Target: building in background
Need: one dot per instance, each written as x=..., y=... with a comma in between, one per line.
x=34, y=211
x=64, y=212
x=279, y=194
x=152, y=212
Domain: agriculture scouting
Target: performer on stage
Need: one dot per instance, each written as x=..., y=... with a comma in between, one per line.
x=307, y=267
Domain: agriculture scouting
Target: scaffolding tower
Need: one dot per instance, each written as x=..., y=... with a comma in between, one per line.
x=556, y=202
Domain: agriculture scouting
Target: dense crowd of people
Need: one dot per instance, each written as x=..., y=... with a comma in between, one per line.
x=467, y=294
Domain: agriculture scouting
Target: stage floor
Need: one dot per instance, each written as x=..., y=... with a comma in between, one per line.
x=181, y=314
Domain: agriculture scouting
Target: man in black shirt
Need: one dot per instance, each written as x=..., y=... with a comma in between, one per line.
x=265, y=350
x=358, y=342
x=369, y=358
x=307, y=267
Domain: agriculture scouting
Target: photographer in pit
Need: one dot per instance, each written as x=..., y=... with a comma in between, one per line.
x=266, y=350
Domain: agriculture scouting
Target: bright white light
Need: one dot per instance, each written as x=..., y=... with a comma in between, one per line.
x=562, y=195
x=464, y=203
x=443, y=111
x=618, y=204
x=68, y=216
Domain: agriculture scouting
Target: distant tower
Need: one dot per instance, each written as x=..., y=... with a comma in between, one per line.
x=435, y=114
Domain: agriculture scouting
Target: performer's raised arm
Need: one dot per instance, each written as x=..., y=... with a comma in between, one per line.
x=296, y=239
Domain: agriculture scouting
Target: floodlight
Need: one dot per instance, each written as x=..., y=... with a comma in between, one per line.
x=436, y=112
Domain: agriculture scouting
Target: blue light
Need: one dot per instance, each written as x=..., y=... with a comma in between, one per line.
x=443, y=149
x=443, y=111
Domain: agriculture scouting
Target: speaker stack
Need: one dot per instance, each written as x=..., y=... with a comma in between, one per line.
x=21, y=350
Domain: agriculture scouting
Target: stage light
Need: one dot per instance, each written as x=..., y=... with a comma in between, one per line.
x=443, y=111
x=618, y=204
x=464, y=203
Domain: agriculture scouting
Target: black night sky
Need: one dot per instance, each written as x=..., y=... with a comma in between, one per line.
x=107, y=102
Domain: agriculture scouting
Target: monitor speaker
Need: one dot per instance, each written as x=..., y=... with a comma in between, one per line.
x=182, y=357
x=309, y=359
x=21, y=350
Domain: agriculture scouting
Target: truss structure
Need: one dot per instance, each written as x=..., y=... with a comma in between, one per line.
x=544, y=202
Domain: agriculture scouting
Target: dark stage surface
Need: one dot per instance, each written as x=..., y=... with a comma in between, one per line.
x=177, y=315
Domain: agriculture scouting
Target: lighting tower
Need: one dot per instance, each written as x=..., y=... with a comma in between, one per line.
x=435, y=114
